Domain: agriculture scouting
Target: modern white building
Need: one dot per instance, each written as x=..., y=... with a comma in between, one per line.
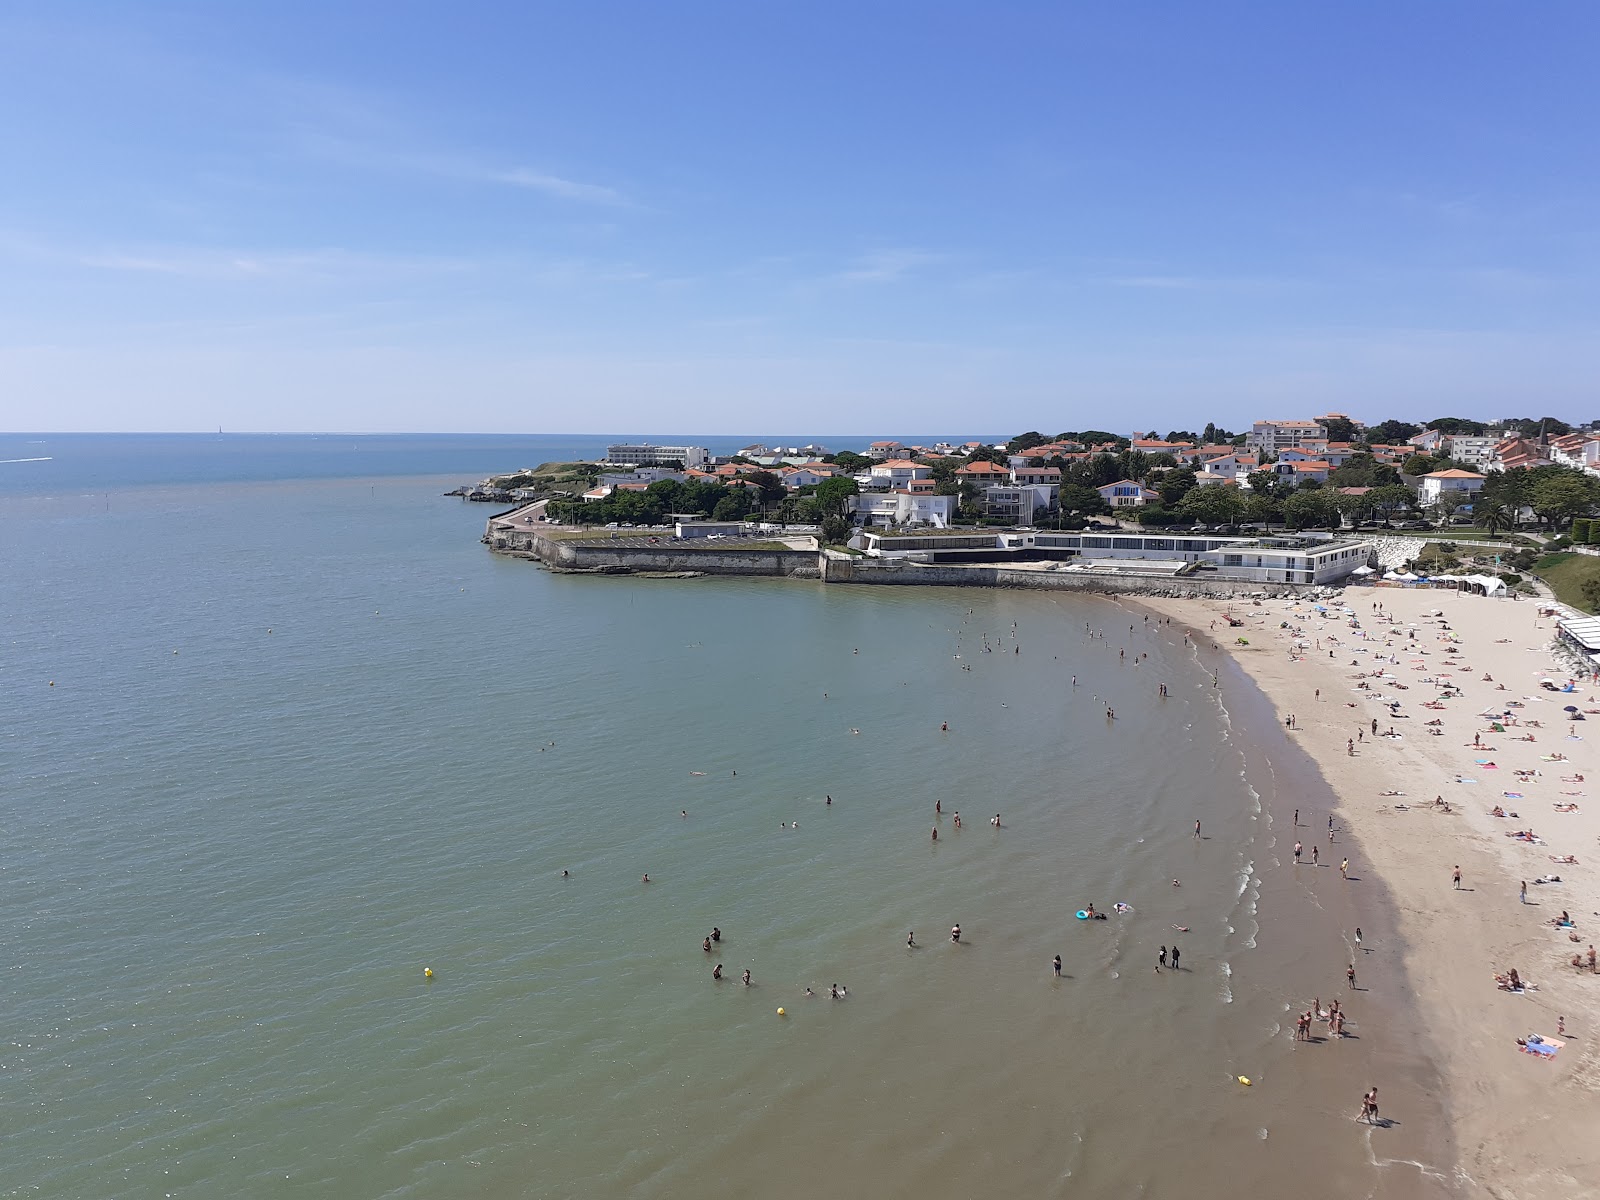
x=1017, y=503
x=903, y=508
x=1474, y=451
x=643, y=454
x=1302, y=560
x=1273, y=436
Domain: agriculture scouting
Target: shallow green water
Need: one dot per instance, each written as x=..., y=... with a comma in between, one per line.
x=376, y=748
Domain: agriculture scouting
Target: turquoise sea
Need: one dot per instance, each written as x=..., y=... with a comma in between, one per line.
x=280, y=734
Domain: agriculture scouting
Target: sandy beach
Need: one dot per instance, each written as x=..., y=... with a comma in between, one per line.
x=1522, y=1121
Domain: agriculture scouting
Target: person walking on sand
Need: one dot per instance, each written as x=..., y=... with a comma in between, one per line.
x=1344, y=868
x=1315, y=855
x=1522, y=895
x=1055, y=965
x=1297, y=818
x=1455, y=878
x=1297, y=849
x=1350, y=974
x=1349, y=748
x=1197, y=830
x=1358, y=937
x=1161, y=960
x=1174, y=958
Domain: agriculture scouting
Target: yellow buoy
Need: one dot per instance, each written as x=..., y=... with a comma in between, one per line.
x=781, y=1013
x=427, y=972
x=1244, y=1081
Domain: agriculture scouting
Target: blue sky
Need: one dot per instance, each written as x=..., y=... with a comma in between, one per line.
x=717, y=218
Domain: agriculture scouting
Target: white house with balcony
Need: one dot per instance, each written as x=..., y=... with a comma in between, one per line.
x=1463, y=485
x=897, y=472
x=903, y=508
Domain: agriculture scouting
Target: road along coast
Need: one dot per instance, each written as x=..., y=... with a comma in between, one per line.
x=1427, y=712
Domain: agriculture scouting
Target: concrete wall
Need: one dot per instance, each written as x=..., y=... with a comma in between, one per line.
x=660, y=557
x=862, y=570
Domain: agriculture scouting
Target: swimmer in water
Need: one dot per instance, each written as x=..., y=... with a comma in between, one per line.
x=717, y=973
x=955, y=933
x=1175, y=883
x=645, y=878
x=706, y=945
x=747, y=977
x=911, y=939
x=565, y=874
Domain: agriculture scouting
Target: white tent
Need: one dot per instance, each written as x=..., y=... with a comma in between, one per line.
x=1362, y=571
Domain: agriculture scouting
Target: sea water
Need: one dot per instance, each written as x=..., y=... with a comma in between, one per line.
x=275, y=746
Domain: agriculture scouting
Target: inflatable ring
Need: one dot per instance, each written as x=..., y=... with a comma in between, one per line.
x=1082, y=915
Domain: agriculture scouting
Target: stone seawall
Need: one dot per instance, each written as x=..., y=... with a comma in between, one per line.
x=838, y=569
x=665, y=558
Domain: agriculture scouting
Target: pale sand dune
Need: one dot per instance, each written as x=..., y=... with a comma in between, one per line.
x=1524, y=1127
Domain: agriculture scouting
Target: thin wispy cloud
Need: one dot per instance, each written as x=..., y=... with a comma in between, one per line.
x=330, y=265
x=456, y=167
x=887, y=266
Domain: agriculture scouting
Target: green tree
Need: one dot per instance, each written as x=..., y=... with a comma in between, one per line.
x=1026, y=441
x=1558, y=497
x=1340, y=429
x=769, y=485
x=1391, y=499
x=833, y=495
x=835, y=530
x=1392, y=433
x=1419, y=464
x=1174, y=486
x=735, y=506
x=1491, y=518
x=1308, y=508
x=1445, y=506
x=851, y=463
x=1213, y=504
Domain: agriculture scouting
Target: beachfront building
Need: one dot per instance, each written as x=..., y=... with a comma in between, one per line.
x=1461, y=484
x=1125, y=493
x=903, y=508
x=1017, y=503
x=643, y=454
x=1270, y=437
x=1309, y=560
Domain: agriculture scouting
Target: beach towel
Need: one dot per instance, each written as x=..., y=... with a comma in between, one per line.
x=1486, y=764
x=1466, y=781
x=1544, y=1047
x=1512, y=795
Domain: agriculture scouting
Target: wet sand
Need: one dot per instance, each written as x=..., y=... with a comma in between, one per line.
x=1521, y=1125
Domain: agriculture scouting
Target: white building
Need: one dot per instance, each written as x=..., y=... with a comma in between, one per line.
x=1017, y=503
x=1125, y=493
x=1462, y=484
x=903, y=508
x=897, y=472
x=643, y=454
x=1302, y=560
x=1273, y=436
x=1474, y=451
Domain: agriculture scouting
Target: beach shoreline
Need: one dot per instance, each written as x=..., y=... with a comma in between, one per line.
x=1516, y=1120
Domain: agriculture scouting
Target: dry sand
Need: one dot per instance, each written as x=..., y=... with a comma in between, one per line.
x=1524, y=1126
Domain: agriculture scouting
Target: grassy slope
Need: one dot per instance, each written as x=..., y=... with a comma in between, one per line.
x=1566, y=573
